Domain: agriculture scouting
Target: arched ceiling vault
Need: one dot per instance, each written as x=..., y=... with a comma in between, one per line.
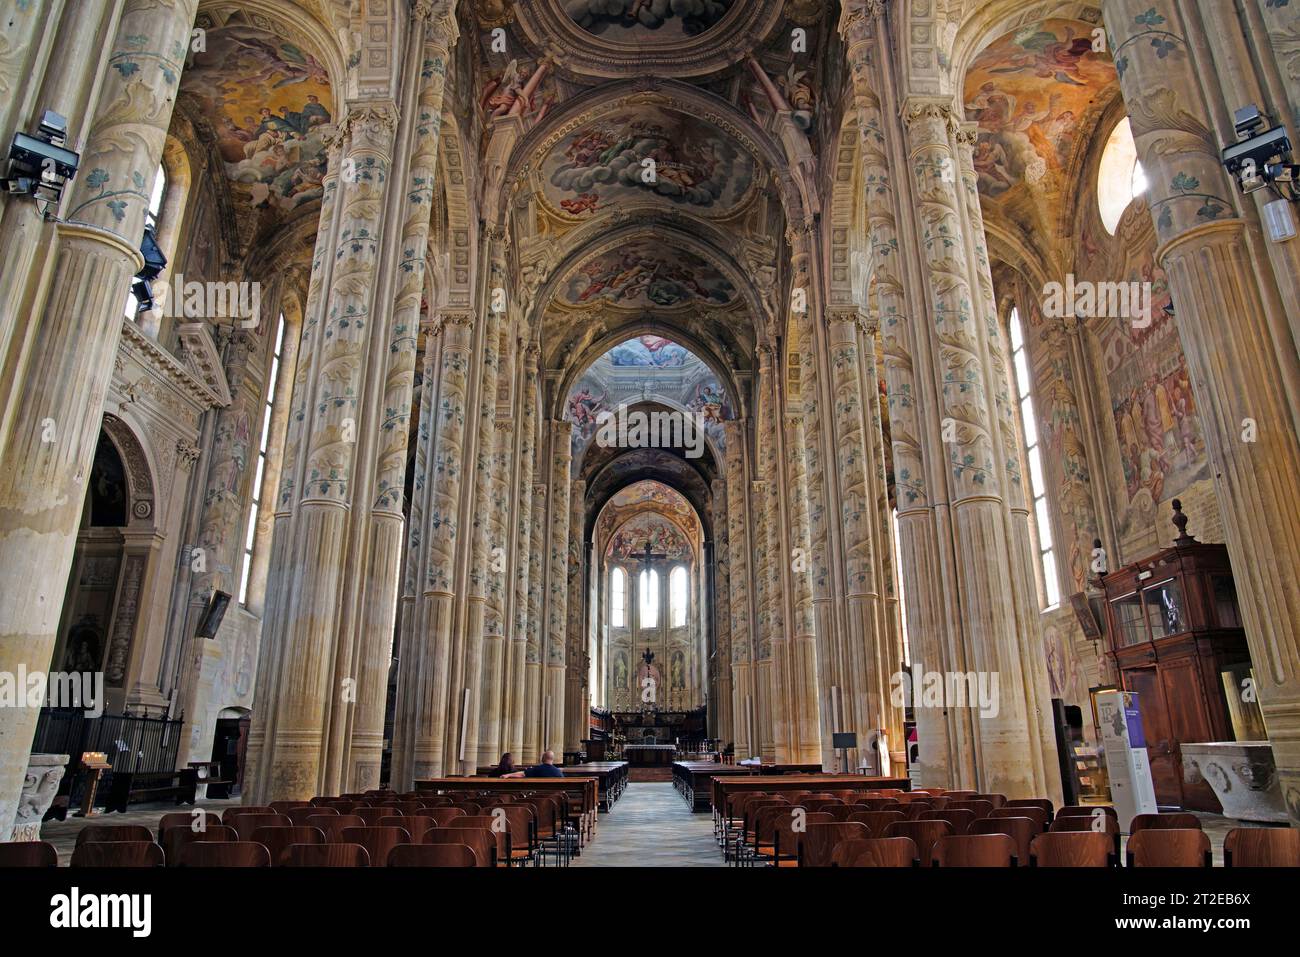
x=610, y=476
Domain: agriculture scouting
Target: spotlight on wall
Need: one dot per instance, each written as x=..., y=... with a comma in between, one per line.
x=212, y=615
x=39, y=164
x=154, y=263
x=1261, y=157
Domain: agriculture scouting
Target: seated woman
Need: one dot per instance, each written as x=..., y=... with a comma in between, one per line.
x=506, y=768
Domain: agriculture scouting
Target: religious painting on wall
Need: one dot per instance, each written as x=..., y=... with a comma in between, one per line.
x=269, y=98
x=620, y=669
x=1028, y=91
x=663, y=537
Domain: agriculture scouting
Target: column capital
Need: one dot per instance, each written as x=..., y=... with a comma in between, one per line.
x=371, y=124
x=933, y=112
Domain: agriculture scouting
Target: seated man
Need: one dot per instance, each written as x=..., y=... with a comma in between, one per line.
x=546, y=769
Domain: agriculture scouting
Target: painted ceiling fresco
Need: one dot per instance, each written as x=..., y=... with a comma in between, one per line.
x=635, y=21
x=1029, y=91
x=645, y=368
x=268, y=101
x=602, y=163
x=644, y=273
x=664, y=537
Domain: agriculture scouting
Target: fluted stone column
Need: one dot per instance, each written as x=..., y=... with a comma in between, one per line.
x=535, y=652
x=50, y=445
x=557, y=583
x=517, y=657
x=494, y=678
x=805, y=701
x=1217, y=269
x=1010, y=754
x=721, y=706
x=576, y=708
x=738, y=555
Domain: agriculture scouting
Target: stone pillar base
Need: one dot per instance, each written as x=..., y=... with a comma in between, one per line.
x=41, y=783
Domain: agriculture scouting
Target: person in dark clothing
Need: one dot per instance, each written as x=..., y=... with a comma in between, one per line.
x=546, y=769
x=506, y=768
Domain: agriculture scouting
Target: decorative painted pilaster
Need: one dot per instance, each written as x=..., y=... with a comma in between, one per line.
x=50, y=444
x=721, y=704
x=535, y=651
x=517, y=657
x=557, y=583
x=576, y=707
x=738, y=577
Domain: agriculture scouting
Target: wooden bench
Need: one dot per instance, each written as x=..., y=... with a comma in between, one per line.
x=611, y=777
x=694, y=780
x=137, y=786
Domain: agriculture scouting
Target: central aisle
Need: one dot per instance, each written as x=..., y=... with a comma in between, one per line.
x=651, y=826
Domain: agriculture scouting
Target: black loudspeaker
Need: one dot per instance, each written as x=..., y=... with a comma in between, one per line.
x=844, y=739
x=212, y=615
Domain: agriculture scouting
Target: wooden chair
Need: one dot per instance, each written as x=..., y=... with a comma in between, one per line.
x=28, y=854
x=820, y=804
x=817, y=843
x=1086, y=810
x=186, y=819
x=1035, y=814
x=1022, y=830
x=415, y=824
x=443, y=816
x=373, y=815
x=118, y=854
x=878, y=852
x=1169, y=847
x=960, y=819
x=1257, y=847
x=877, y=804
x=1100, y=824
x=233, y=812
x=912, y=810
x=1041, y=803
x=977, y=806
x=278, y=838
x=377, y=841
x=432, y=855
x=327, y=855
x=877, y=821
x=408, y=807
x=769, y=821
x=840, y=812
x=334, y=825
x=246, y=824
x=496, y=826
x=1072, y=849
x=109, y=833
x=997, y=800
x=975, y=850
x=922, y=833
x=437, y=800
x=1181, y=821
x=961, y=795
x=176, y=839
x=299, y=815
x=233, y=854
x=283, y=807
x=522, y=822
x=482, y=842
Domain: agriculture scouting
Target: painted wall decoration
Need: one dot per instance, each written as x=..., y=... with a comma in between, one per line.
x=603, y=163
x=269, y=101
x=645, y=273
x=646, y=495
x=651, y=351
x=632, y=21
x=1028, y=92
x=664, y=537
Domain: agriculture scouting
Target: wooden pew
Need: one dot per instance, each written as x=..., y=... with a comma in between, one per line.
x=611, y=777
x=726, y=787
x=694, y=780
x=581, y=793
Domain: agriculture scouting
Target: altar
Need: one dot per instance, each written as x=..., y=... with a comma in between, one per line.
x=641, y=755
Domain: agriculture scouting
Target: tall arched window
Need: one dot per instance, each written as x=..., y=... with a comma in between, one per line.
x=250, y=536
x=1119, y=176
x=1038, y=488
x=648, y=587
x=618, y=598
x=677, y=597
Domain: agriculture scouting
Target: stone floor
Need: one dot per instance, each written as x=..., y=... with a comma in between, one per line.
x=651, y=826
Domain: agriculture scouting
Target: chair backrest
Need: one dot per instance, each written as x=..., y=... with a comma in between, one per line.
x=378, y=841
x=1259, y=847
x=415, y=824
x=960, y=819
x=432, y=855
x=299, y=815
x=483, y=843
x=997, y=800
x=278, y=838
x=176, y=839
x=1072, y=849
x=444, y=815
x=231, y=813
x=1042, y=803
x=877, y=821
x=840, y=812
x=1180, y=821
x=246, y=824
x=878, y=852
x=203, y=819
x=327, y=855
x=1022, y=830
x=1169, y=847
x=1035, y=814
x=960, y=795
x=975, y=850
x=522, y=821
x=1086, y=810
x=373, y=815
x=232, y=854
x=283, y=807
x=922, y=833
x=877, y=804
x=108, y=833
x=769, y=819
x=977, y=806
x=819, y=804
x=407, y=807
x=28, y=854
x=334, y=825
x=494, y=825
x=1097, y=823
x=435, y=800
x=817, y=843
x=118, y=854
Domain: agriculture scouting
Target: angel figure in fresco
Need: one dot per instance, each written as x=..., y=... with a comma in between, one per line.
x=1050, y=57
x=500, y=94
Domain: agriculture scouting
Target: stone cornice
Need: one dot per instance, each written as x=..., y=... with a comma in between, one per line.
x=171, y=369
